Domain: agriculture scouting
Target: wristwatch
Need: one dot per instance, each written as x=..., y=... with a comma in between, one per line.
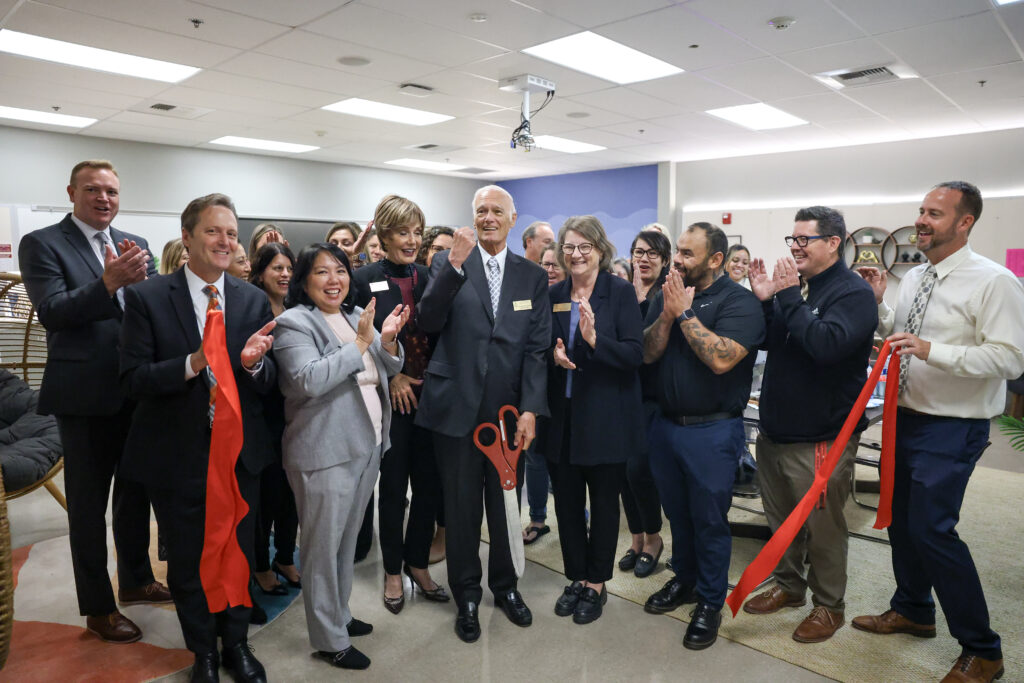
x=686, y=315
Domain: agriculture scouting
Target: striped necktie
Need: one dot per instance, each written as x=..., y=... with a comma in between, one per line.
x=494, y=283
x=916, y=316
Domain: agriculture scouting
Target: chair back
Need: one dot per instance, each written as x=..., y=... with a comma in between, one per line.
x=22, y=338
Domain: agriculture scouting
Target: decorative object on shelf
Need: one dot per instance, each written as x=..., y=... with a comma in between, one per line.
x=867, y=257
x=905, y=257
x=913, y=238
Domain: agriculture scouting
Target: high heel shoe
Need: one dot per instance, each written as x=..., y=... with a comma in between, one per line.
x=293, y=584
x=436, y=594
x=393, y=605
x=278, y=589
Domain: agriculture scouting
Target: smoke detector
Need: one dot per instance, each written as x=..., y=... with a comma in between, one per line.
x=781, y=23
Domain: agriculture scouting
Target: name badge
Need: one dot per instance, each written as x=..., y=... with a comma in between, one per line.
x=561, y=308
x=522, y=305
x=381, y=286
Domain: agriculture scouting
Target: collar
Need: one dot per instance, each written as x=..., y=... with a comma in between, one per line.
x=826, y=274
x=951, y=262
x=90, y=231
x=715, y=287
x=500, y=256
x=396, y=270
x=196, y=284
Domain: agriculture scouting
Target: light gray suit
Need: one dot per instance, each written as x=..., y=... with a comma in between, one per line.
x=331, y=457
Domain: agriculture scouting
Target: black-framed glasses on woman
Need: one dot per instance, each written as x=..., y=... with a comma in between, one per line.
x=802, y=240
x=651, y=254
x=584, y=248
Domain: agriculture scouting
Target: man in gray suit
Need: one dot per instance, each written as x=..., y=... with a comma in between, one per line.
x=490, y=308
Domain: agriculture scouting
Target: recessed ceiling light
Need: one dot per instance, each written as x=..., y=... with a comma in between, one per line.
x=255, y=143
x=353, y=60
x=557, y=144
x=425, y=165
x=386, y=112
x=1006, y=2
x=599, y=56
x=578, y=114
x=758, y=116
x=45, y=117
x=50, y=50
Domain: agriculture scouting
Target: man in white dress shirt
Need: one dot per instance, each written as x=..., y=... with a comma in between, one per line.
x=958, y=329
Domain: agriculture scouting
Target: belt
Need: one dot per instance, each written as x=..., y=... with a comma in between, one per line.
x=687, y=420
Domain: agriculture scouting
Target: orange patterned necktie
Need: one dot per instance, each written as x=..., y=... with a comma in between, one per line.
x=212, y=305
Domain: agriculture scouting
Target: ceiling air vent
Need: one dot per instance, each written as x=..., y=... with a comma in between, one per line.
x=432, y=148
x=474, y=170
x=415, y=89
x=869, y=75
x=174, y=111
x=879, y=74
x=162, y=106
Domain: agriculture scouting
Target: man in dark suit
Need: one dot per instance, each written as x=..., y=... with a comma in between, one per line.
x=164, y=368
x=491, y=309
x=75, y=275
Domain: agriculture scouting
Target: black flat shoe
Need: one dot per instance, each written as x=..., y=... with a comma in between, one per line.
x=350, y=658
x=647, y=563
x=257, y=615
x=358, y=628
x=293, y=584
x=628, y=561
x=535, y=532
x=673, y=594
x=566, y=603
x=589, y=608
x=242, y=663
x=514, y=607
x=278, y=589
x=703, y=629
x=467, y=623
x=435, y=594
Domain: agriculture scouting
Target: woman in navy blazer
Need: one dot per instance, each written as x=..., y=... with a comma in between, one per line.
x=595, y=403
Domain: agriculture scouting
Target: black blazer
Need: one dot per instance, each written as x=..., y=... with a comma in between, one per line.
x=169, y=441
x=389, y=298
x=83, y=322
x=606, y=410
x=481, y=363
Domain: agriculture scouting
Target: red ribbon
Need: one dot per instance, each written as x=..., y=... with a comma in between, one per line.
x=223, y=568
x=771, y=554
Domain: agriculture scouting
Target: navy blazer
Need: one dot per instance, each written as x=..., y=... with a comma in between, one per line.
x=606, y=410
x=388, y=298
x=64, y=281
x=168, y=444
x=482, y=362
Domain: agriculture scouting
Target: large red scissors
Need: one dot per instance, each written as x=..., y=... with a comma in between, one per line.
x=505, y=459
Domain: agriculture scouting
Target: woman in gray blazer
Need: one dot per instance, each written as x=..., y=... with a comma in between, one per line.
x=333, y=369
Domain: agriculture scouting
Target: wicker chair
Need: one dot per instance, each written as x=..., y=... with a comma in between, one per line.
x=23, y=352
x=6, y=581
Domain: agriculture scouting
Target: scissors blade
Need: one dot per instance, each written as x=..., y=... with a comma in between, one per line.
x=515, y=534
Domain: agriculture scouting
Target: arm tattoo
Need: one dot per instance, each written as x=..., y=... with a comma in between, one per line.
x=718, y=353
x=655, y=340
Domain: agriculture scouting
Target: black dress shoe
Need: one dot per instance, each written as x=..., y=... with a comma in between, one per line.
x=628, y=561
x=242, y=663
x=350, y=658
x=206, y=669
x=647, y=563
x=589, y=608
x=358, y=628
x=467, y=623
x=673, y=594
x=566, y=603
x=703, y=629
x=257, y=615
x=515, y=609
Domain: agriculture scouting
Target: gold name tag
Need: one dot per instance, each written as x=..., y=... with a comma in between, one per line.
x=522, y=305
x=381, y=286
x=561, y=308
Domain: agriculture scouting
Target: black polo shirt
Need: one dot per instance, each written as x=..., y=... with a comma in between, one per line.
x=685, y=385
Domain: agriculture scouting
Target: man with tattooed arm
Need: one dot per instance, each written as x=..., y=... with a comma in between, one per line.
x=700, y=330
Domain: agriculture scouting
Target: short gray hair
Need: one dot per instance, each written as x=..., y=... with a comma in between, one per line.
x=494, y=188
x=531, y=230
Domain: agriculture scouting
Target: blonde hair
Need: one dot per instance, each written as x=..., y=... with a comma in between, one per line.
x=395, y=212
x=172, y=253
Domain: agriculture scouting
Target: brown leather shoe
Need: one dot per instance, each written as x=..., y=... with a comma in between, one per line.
x=772, y=600
x=819, y=626
x=892, y=621
x=971, y=669
x=114, y=628
x=155, y=593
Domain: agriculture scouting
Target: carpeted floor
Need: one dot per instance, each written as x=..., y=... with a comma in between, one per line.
x=991, y=525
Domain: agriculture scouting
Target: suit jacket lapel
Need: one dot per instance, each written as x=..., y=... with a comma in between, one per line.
x=474, y=268
x=181, y=301
x=233, y=313
x=560, y=295
x=80, y=244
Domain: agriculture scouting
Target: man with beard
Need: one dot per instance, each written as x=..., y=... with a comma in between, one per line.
x=958, y=331
x=701, y=329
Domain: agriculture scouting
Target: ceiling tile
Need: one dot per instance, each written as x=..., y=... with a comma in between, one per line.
x=284, y=13
x=956, y=45
x=853, y=54
x=623, y=100
x=949, y=122
x=1000, y=114
x=267, y=67
x=470, y=86
x=703, y=126
x=645, y=132
x=127, y=131
x=192, y=126
x=883, y=16
x=233, y=84
x=567, y=81
x=64, y=96
x=438, y=103
x=37, y=101
x=821, y=108
x=765, y=79
x=1013, y=17
x=904, y=98
x=50, y=72
x=966, y=89
x=211, y=99
x=692, y=92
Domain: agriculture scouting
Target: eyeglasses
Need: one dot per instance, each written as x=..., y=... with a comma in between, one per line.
x=651, y=254
x=549, y=266
x=802, y=240
x=584, y=248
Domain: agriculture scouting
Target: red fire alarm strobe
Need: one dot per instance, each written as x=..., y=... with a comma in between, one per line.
x=726, y=219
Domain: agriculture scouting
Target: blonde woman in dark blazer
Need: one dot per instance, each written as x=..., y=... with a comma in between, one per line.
x=334, y=370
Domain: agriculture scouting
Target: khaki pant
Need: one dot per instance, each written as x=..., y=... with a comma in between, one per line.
x=785, y=472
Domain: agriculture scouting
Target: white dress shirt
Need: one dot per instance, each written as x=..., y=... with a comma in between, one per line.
x=975, y=324
x=485, y=257
x=200, y=302
x=90, y=236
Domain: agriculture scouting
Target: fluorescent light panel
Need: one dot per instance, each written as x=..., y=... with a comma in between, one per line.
x=45, y=117
x=758, y=116
x=425, y=164
x=51, y=50
x=386, y=112
x=599, y=56
x=1006, y=2
x=256, y=143
x=557, y=144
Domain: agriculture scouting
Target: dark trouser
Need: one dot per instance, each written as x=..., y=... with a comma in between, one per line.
x=537, y=481
x=182, y=517
x=785, y=471
x=92, y=451
x=365, y=538
x=640, y=495
x=464, y=472
x=410, y=459
x=694, y=468
x=935, y=457
x=277, y=511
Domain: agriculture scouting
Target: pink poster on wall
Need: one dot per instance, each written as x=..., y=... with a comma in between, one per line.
x=1015, y=261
